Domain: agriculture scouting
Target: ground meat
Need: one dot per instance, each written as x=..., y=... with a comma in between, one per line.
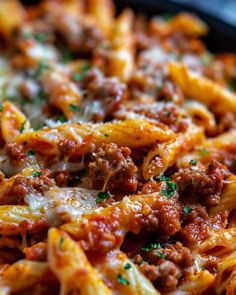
x=23, y=185
x=81, y=37
x=165, y=275
x=197, y=224
x=15, y=151
x=37, y=252
x=165, y=266
x=201, y=184
x=105, y=93
x=29, y=89
x=169, y=219
x=66, y=146
x=113, y=168
x=168, y=114
x=62, y=178
x=179, y=254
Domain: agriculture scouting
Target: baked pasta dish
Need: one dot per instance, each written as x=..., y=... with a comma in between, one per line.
x=117, y=153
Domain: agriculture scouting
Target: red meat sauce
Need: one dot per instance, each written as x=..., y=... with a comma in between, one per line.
x=112, y=168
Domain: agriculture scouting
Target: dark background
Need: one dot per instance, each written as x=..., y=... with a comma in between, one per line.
x=220, y=15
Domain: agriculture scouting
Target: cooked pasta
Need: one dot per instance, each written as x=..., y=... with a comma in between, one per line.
x=117, y=153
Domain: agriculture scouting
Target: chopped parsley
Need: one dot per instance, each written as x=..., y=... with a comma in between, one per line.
x=193, y=162
x=31, y=153
x=22, y=127
x=60, y=243
x=26, y=35
x=36, y=173
x=166, y=16
x=106, y=135
x=102, y=196
x=41, y=37
x=74, y=108
x=38, y=99
x=79, y=76
x=170, y=187
x=42, y=66
x=231, y=85
x=152, y=246
x=187, y=210
x=62, y=119
x=127, y=266
x=122, y=280
x=1, y=108
x=160, y=254
x=66, y=57
x=203, y=152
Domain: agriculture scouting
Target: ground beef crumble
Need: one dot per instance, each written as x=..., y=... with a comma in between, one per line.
x=201, y=184
x=113, y=168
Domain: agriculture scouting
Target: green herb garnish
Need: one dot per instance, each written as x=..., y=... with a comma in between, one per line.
x=79, y=76
x=67, y=57
x=22, y=127
x=186, y=210
x=102, y=196
x=60, y=243
x=193, y=162
x=170, y=187
x=160, y=254
x=127, y=266
x=62, y=119
x=1, y=108
x=74, y=108
x=41, y=37
x=31, y=153
x=36, y=173
x=27, y=35
x=203, y=152
x=231, y=85
x=122, y=280
x=42, y=66
x=106, y=135
x=152, y=246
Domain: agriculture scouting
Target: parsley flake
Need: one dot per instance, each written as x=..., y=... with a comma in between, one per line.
x=26, y=35
x=22, y=127
x=74, y=108
x=1, y=108
x=41, y=38
x=62, y=119
x=127, y=266
x=193, y=162
x=42, y=66
x=106, y=135
x=31, y=153
x=170, y=187
x=60, y=243
x=36, y=173
x=67, y=57
x=160, y=254
x=122, y=280
x=102, y=196
x=203, y=152
x=187, y=210
x=152, y=246
x=79, y=76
